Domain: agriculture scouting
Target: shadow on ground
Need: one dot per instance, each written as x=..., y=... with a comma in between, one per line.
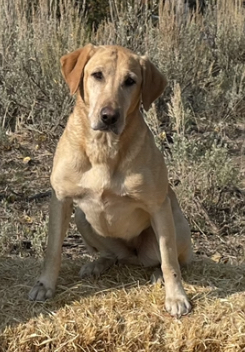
x=203, y=278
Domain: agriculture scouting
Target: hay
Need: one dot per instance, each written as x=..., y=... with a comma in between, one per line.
x=121, y=311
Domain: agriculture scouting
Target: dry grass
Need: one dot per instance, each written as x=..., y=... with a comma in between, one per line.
x=121, y=311
x=200, y=128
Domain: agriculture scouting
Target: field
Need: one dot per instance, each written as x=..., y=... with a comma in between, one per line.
x=198, y=125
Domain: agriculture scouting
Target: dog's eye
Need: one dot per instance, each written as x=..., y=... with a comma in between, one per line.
x=129, y=82
x=98, y=75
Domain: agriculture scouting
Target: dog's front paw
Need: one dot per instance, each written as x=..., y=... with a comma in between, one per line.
x=40, y=292
x=177, y=306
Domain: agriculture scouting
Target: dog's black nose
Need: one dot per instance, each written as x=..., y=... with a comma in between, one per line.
x=109, y=116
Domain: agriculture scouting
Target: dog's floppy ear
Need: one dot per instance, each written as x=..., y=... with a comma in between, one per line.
x=72, y=66
x=153, y=84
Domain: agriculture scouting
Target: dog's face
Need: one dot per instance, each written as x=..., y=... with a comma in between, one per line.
x=112, y=82
x=112, y=86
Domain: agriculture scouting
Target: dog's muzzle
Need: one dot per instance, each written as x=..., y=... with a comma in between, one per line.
x=109, y=118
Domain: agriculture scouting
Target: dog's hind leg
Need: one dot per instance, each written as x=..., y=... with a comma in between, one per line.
x=110, y=249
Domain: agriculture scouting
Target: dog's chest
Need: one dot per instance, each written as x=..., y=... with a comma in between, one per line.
x=111, y=202
x=96, y=180
x=103, y=183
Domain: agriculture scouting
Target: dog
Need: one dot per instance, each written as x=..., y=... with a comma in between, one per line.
x=107, y=163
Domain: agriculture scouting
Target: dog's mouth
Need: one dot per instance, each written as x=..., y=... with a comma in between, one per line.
x=106, y=128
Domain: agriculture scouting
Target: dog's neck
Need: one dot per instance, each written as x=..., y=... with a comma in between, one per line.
x=102, y=147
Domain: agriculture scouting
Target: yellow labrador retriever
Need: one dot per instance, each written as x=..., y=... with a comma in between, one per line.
x=107, y=163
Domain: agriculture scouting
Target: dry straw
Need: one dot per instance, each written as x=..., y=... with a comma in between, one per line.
x=122, y=311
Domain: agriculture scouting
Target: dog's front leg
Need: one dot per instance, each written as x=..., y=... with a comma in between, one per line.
x=176, y=302
x=59, y=217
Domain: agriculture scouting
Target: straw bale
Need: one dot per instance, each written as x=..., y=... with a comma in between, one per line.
x=121, y=311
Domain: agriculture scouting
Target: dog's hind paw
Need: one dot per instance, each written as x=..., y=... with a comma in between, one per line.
x=40, y=292
x=97, y=267
x=157, y=277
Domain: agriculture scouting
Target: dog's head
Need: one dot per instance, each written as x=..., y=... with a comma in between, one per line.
x=112, y=82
